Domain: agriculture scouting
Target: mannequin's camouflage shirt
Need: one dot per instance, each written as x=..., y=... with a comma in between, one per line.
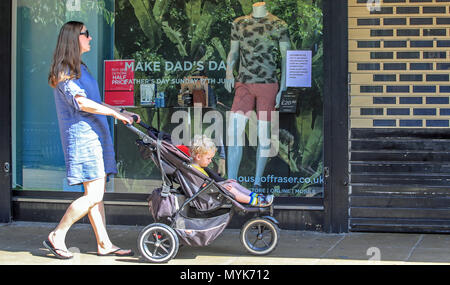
x=259, y=40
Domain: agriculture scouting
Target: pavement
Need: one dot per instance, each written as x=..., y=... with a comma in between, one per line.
x=21, y=244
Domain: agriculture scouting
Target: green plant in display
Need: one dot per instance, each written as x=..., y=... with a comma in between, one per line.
x=150, y=19
x=191, y=37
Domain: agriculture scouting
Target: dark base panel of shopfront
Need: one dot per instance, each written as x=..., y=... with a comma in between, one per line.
x=139, y=215
x=131, y=209
x=400, y=180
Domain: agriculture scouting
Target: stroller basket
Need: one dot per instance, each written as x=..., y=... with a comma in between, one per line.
x=200, y=232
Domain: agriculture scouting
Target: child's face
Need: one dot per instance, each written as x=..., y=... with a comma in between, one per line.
x=204, y=159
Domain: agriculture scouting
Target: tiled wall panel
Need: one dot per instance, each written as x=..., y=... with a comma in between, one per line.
x=399, y=94
x=399, y=62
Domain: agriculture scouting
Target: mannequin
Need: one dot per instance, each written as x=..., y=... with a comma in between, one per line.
x=259, y=10
x=254, y=39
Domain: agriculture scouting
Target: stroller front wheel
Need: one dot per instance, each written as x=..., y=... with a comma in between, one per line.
x=259, y=236
x=158, y=243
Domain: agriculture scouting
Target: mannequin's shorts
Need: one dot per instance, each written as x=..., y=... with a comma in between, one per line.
x=260, y=95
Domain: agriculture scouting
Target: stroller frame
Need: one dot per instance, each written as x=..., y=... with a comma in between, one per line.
x=159, y=242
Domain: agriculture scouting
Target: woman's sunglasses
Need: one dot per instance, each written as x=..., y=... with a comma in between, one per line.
x=86, y=33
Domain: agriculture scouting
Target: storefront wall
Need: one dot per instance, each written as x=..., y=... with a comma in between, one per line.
x=5, y=112
x=308, y=151
x=399, y=115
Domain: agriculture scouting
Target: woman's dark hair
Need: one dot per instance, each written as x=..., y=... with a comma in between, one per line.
x=66, y=62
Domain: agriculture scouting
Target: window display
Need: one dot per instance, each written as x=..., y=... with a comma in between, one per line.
x=187, y=67
x=222, y=68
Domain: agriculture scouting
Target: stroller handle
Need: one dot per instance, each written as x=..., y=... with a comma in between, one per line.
x=144, y=137
x=142, y=124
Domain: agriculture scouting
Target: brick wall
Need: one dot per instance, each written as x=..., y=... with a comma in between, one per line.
x=399, y=60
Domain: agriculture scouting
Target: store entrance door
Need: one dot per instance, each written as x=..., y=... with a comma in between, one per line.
x=5, y=112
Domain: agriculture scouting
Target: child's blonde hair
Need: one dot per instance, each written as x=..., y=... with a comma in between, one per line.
x=201, y=144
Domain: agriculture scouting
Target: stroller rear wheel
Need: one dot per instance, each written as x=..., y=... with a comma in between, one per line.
x=260, y=236
x=158, y=243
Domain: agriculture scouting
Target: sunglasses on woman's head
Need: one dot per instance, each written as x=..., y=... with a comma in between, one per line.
x=86, y=33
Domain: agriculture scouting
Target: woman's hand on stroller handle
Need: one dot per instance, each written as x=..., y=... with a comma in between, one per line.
x=126, y=119
x=137, y=119
x=131, y=119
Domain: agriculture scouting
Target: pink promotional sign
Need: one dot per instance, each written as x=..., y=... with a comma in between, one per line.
x=119, y=82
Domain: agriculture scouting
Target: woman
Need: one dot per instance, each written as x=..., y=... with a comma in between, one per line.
x=85, y=137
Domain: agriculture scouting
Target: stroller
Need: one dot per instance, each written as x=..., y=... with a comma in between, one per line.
x=191, y=208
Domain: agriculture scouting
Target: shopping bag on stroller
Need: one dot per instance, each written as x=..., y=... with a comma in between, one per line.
x=163, y=206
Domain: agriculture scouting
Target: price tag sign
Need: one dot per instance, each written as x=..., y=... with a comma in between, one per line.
x=288, y=103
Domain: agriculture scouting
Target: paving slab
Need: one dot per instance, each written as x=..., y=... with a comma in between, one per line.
x=21, y=244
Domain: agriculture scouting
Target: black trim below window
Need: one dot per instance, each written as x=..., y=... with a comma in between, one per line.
x=24, y=195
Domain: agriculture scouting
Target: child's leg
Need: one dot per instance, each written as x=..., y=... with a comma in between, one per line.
x=238, y=187
x=238, y=195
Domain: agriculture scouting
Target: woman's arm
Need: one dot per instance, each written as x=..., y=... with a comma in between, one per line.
x=117, y=109
x=87, y=105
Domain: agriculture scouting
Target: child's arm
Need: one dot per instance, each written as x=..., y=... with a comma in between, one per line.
x=216, y=177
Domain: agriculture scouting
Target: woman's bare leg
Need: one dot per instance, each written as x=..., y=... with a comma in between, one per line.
x=97, y=218
x=98, y=221
x=79, y=208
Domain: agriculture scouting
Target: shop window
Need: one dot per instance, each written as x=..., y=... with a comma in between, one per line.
x=175, y=44
x=38, y=159
x=169, y=43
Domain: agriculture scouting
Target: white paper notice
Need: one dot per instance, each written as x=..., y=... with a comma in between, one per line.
x=147, y=94
x=298, y=67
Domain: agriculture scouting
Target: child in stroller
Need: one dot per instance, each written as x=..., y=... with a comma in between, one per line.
x=192, y=208
x=202, y=151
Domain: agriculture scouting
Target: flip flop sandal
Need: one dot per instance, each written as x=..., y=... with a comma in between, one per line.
x=48, y=244
x=118, y=252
